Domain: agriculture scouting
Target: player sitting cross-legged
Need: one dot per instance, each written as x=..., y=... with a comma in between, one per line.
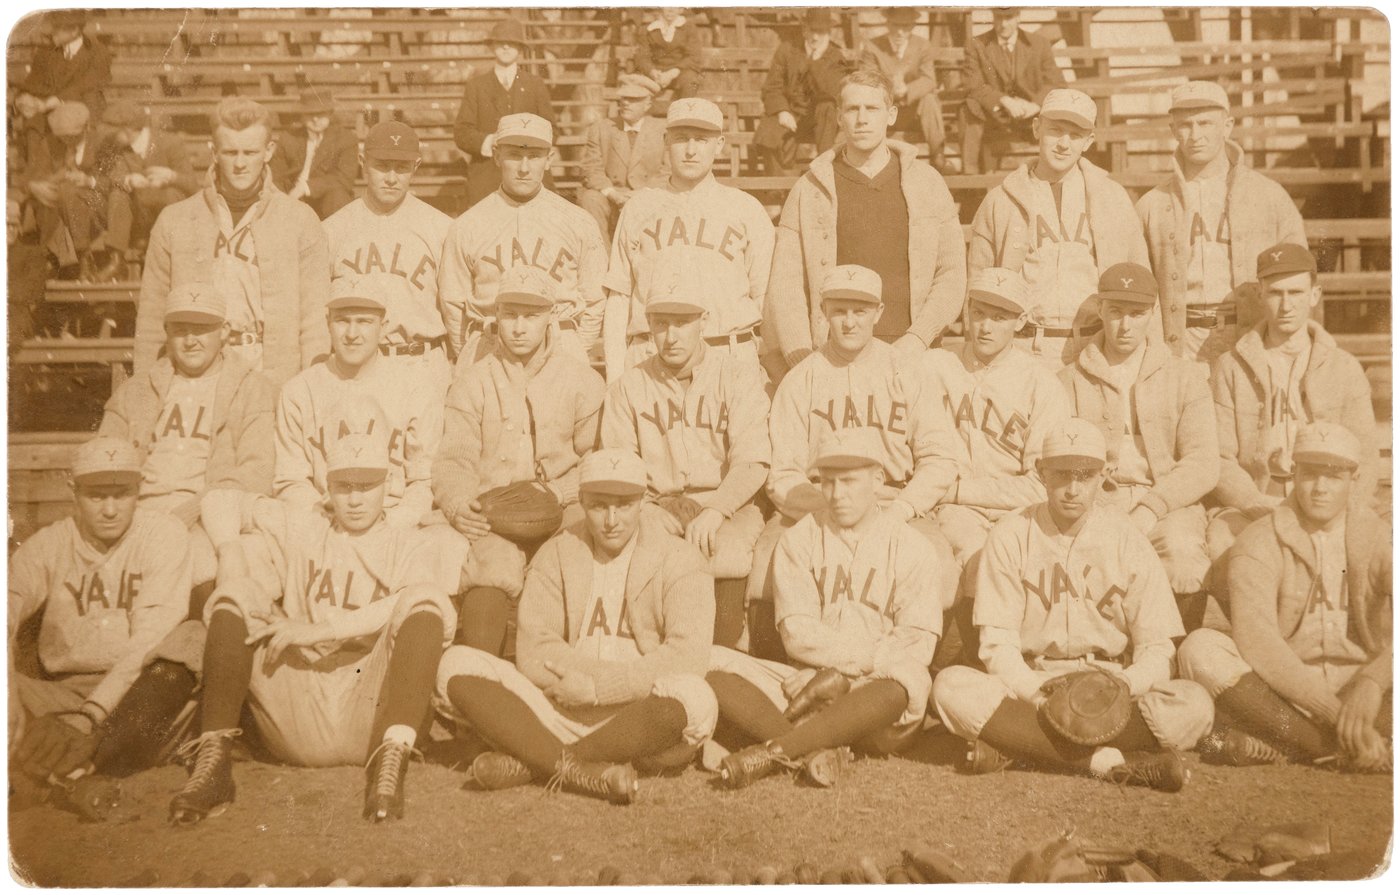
x=615, y=627
x=1062, y=586
x=857, y=606
x=329, y=628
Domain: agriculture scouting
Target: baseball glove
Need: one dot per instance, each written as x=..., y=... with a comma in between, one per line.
x=1088, y=707
x=1067, y=859
x=824, y=686
x=680, y=506
x=523, y=512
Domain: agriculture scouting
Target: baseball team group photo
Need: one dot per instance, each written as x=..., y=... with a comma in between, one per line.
x=714, y=445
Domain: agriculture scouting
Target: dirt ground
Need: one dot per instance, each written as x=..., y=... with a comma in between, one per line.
x=291, y=822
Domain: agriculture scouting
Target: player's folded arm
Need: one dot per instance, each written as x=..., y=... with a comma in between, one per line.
x=1000, y=651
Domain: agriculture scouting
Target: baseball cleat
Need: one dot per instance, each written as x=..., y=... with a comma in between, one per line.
x=210, y=784
x=1162, y=771
x=825, y=766
x=497, y=770
x=739, y=769
x=615, y=782
x=384, y=776
x=984, y=758
x=1240, y=750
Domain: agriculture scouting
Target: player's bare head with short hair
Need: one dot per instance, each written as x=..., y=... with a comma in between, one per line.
x=866, y=111
x=242, y=141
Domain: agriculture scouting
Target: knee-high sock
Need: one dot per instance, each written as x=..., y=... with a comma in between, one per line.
x=142, y=720
x=408, y=683
x=643, y=728
x=228, y=666
x=729, y=611
x=1136, y=736
x=1193, y=609
x=1267, y=715
x=481, y=622
x=744, y=707
x=505, y=721
x=847, y=719
x=1015, y=730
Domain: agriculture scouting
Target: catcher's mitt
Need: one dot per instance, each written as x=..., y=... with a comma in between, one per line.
x=680, y=506
x=523, y=512
x=1088, y=707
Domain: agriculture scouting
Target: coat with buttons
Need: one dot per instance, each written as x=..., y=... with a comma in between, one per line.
x=1173, y=411
x=989, y=73
x=806, y=251
x=1259, y=213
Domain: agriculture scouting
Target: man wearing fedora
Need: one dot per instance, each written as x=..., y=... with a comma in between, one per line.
x=800, y=93
x=1007, y=72
x=317, y=163
x=506, y=89
x=623, y=154
x=907, y=60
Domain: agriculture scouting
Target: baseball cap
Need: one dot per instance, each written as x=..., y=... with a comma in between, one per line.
x=195, y=303
x=640, y=86
x=1067, y=104
x=124, y=113
x=695, y=112
x=1324, y=443
x=525, y=285
x=1074, y=444
x=613, y=471
x=524, y=129
x=393, y=140
x=851, y=281
x=1000, y=288
x=359, y=459
x=508, y=31
x=68, y=119
x=1126, y=281
x=1199, y=95
x=355, y=291
x=677, y=285
x=849, y=449
x=106, y=461
x=1285, y=258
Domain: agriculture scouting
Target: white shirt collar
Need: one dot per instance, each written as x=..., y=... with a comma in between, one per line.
x=667, y=31
x=508, y=74
x=142, y=143
x=71, y=48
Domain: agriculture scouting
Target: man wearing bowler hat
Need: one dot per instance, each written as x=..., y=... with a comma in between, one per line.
x=907, y=60
x=317, y=163
x=506, y=89
x=800, y=93
x=624, y=154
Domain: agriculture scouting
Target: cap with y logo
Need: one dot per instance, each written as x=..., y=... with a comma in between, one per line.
x=1000, y=288
x=1327, y=444
x=694, y=112
x=1195, y=95
x=1074, y=444
x=355, y=292
x=359, y=459
x=849, y=449
x=195, y=303
x=524, y=129
x=613, y=471
x=677, y=285
x=1067, y=104
x=1285, y=258
x=1126, y=281
x=106, y=461
x=853, y=283
x=393, y=141
x=525, y=285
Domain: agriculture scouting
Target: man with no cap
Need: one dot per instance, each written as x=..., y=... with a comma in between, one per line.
x=624, y=155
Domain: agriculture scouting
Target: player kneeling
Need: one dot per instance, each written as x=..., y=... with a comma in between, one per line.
x=615, y=626
x=856, y=593
x=331, y=629
x=1064, y=586
x=1305, y=674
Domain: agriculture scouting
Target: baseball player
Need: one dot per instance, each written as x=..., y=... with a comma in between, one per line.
x=1001, y=401
x=390, y=231
x=1060, y=221
x=1158, y=420
x=853, y=381
x=521, y=224
x=329, y=628
x=692, y=209
x=201, y=420
x=1305, y=672
x=857, y=595
x=108, y=583
x=1282, y=374
x=526, y=412
x=699, y=420
x=240, y=230
x=1206, y=225
x=1064, y=585
x=356, y=390
x=615, y=628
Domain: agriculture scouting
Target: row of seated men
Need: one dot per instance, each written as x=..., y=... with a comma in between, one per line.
x=952, y=444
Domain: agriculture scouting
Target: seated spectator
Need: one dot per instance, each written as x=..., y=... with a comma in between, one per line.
x=907, y=60
x=800, y=94
x=668, y=52
x=317, y=163
x=151, y=170
x=623, y=154
x=1007, y=73
x=71, y=69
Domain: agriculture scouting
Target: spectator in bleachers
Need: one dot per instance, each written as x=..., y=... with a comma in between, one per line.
x=907, y=60
x=1207, y=223
x=391, y=232
x=623, y=154
x=151, y=170
x=800, y=94
x=869, y=201
x=71, y=69
x=1060, y=221
x=506, y=89
x=317, y=162
x=668, y=52
x=241, y=231
x=1007, y=73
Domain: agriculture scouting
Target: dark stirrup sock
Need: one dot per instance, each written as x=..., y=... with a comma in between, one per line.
x=847, y=719
x=1267, y=715
x=482, y=618
x=643, y=728
x=504, y=720
x=143, y=719
x=730, y=611
x=743, y=707
x=408, y=683
x=1015, y=730
x=228, y=667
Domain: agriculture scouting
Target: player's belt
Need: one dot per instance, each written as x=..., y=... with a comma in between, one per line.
x=1097, y=655
x=567, y=323
x=1030, y=330
x=480, y=326
x=740, y=338
x=244, y=337
x=414, y=348
x=1210, y=316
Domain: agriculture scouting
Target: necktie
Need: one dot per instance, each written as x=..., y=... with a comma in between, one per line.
x=632, y=139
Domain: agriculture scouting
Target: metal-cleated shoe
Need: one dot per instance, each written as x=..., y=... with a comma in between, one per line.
x=498, y=770
x=384, y=776
x=210, y=785
x=615, y=782
x=1240, y=750
x=1162, y=771
x=739, y=769
x=983, y=758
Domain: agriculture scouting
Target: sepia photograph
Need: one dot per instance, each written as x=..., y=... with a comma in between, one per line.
x=722, y=445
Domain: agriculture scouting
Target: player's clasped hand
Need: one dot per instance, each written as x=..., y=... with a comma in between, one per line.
x=55, y=746
x=702, y=530
x=281, y=633
x=471, y=522
x=1356, y=725
x=573, y=687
